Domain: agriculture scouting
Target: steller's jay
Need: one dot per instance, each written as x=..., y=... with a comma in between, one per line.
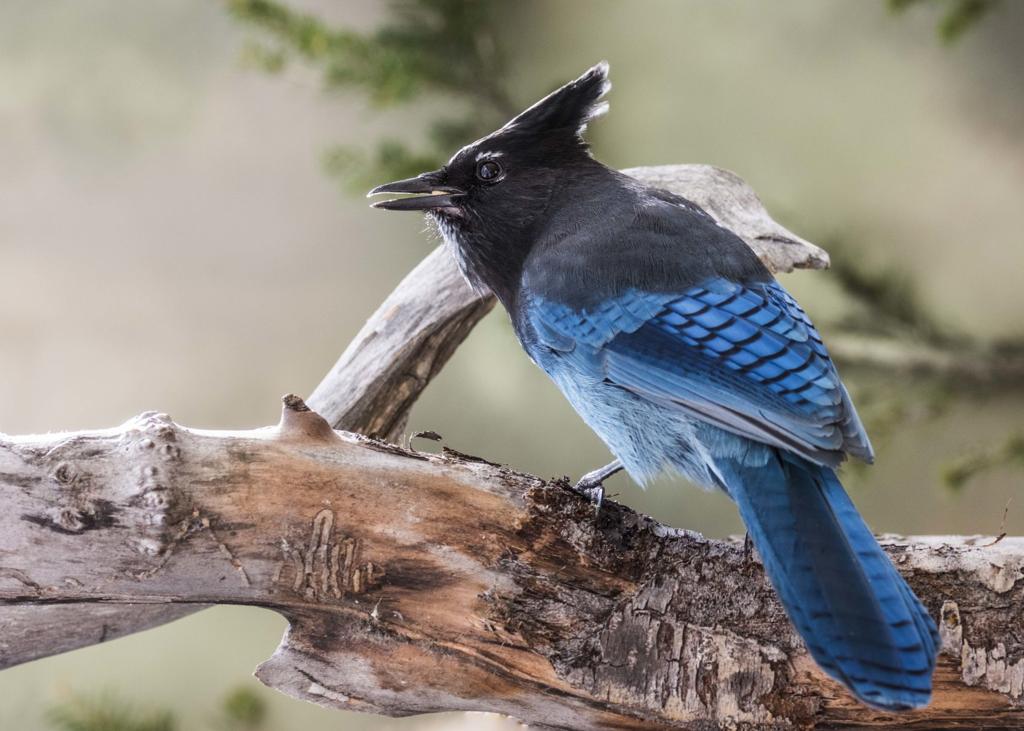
x=678, y=347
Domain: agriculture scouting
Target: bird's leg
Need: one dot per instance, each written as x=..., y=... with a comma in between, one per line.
x=748, y=548
x=591, y=485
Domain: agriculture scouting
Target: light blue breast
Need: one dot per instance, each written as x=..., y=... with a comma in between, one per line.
x=647, y=437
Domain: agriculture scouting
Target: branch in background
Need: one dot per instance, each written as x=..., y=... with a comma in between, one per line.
x=1009, y=453
x=972, y=368
x=892, y=329
x=890, y=303
x=889, y=331
x=958, y=17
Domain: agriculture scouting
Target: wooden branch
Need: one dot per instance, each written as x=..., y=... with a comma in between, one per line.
x=567, y=625
x=417, y=583
x=400, y=349
x=972, y=366
x=370, y=390
x=735, y=205
x=403, y=345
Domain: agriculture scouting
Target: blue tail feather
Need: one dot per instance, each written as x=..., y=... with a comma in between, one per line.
x=856, y=614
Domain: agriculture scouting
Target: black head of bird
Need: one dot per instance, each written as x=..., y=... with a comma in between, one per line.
x=494, y=197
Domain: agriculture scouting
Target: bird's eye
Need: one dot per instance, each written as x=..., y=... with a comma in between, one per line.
x=488, y=171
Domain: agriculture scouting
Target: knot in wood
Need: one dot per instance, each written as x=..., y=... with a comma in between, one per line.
x=151, y=442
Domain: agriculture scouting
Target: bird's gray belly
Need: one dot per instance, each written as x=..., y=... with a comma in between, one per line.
x=648, y=437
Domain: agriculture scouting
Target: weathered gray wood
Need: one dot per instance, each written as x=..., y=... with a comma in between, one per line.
x=417, y=583
x=400, y=349
x=735, y=205
x=29, y=632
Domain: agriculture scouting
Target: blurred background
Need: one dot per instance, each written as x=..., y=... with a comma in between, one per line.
x=182, y=228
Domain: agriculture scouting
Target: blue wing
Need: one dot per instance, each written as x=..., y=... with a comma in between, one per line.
x=743, y=357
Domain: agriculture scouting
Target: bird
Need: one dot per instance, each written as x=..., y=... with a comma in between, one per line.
x=678, y=347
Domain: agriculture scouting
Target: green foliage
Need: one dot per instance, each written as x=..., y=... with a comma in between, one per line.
x=1009, y=453
x=441, y=48
x=241, y=710
x=105, y=713
x=888, y=305
x=889, y=299
x=390, y=161
x=958, y=17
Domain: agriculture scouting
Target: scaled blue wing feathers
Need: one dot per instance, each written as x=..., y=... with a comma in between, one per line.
x=778, y=384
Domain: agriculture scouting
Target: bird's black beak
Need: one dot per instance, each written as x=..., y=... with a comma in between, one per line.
x=428, y=191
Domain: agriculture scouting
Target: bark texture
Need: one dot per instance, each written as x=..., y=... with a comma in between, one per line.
x=417, y=583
